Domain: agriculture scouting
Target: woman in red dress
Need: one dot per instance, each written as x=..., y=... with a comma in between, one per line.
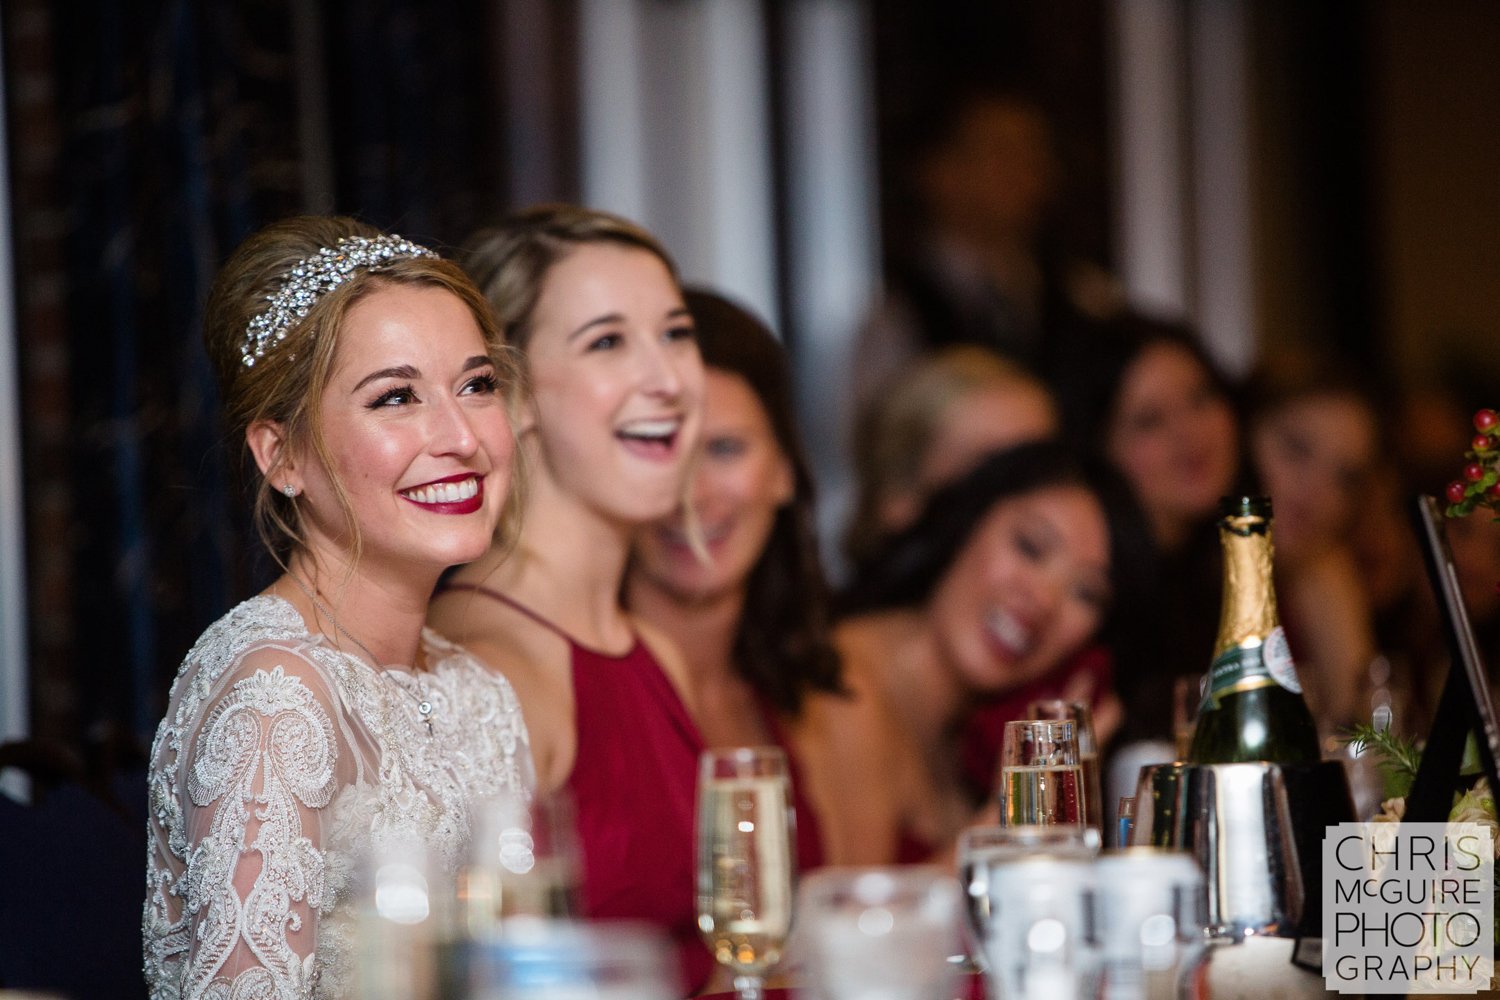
x=591, y=303
x=750, y=605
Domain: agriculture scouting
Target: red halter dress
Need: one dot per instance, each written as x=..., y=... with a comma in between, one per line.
x=634, y=789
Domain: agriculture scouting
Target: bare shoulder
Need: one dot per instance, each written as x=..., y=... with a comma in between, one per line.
x=672, y=662
x=535, y=661
x=849, y=745
x=864, y=645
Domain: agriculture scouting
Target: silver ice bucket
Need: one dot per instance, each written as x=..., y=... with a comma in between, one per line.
x=1256, y=829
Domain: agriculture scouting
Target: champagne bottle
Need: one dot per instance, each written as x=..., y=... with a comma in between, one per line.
x=1252, y=702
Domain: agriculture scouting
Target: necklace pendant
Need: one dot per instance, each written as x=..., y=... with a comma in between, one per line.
x=424, y=711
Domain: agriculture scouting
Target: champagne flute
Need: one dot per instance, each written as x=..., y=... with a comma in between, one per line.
x=746, y=865
x=1040, y=777
x=1088, y=751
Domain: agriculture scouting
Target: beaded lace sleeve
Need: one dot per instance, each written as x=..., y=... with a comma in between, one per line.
x=257, y=775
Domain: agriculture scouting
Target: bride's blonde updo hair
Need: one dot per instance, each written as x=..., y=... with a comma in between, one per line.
x=273, y=363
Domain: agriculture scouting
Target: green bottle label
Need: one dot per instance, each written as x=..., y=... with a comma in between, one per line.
x=1244, y=668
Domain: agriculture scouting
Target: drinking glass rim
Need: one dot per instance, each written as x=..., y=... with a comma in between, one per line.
x=745, y=762
x=1082, y=832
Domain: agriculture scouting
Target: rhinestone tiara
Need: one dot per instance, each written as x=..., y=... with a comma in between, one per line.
x=317, y=275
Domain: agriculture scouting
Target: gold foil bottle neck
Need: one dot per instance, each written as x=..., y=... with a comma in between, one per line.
x=1249, y=608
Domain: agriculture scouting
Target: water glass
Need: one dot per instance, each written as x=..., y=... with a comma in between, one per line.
x=1041, y=780
x=1082, y=718
x=405, y=929
x=570, y=960
x=524, y=861
x=745, y=860
x=879, y=933
x=1150, y=910
x=1039, y=941
x=982, y=847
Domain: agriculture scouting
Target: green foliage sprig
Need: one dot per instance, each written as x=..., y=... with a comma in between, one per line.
x=1398, y=756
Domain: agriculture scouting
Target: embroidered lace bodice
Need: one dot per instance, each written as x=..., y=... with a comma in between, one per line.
x=280, y=762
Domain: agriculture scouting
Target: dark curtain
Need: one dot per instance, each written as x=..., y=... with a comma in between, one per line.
x=147, y=139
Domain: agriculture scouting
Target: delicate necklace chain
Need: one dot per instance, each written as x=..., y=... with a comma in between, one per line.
x=424, y=704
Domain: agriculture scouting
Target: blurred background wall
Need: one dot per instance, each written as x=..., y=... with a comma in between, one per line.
x=1283, y=173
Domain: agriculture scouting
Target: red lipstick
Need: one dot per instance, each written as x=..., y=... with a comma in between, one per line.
x=467, y=505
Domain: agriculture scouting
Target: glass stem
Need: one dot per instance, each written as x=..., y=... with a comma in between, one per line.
x=748, y=988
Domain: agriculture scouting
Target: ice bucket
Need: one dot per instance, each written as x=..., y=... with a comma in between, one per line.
x=1257, y=831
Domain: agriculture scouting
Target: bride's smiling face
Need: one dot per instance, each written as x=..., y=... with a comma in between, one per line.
x=617, y=382
x=415, y=423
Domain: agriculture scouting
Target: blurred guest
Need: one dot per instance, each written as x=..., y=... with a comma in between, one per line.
x=1406, y=675
x=1313, y=434
x=932, y=425
x=366, y=380
x=1475, y=541
x=748, y=605
x=1431, y=429
x=591, y=304
x=981, y=271
x=1147, y=397
x=1007, y=573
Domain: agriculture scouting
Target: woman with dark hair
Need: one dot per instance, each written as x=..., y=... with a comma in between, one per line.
x=1148, y=398
x=734, y=578
x=1315, y=435
x=1006, y=574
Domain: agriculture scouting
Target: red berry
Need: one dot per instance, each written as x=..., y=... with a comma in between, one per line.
x=1493, y=492
x=1484, y=420
x=1481, y=442
x=1456, y=492
x=1473, y=472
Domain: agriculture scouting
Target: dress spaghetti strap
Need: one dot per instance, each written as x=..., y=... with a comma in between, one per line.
x=633, y=812
x=511, y=602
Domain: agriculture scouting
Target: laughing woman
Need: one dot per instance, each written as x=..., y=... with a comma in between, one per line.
x=367, y=382
x=591, y=302
x=1006, y=574
x=753, y=616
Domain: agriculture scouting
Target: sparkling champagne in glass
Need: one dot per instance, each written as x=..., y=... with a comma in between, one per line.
x=745, y=861
x=1088, y=751
x=1041, y=780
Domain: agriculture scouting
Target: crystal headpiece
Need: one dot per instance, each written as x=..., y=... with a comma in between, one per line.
x=324, y=271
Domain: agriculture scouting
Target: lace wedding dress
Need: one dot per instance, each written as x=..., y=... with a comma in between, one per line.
x=280, y=761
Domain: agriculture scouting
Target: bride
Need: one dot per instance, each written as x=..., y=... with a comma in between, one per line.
x=318, y=720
